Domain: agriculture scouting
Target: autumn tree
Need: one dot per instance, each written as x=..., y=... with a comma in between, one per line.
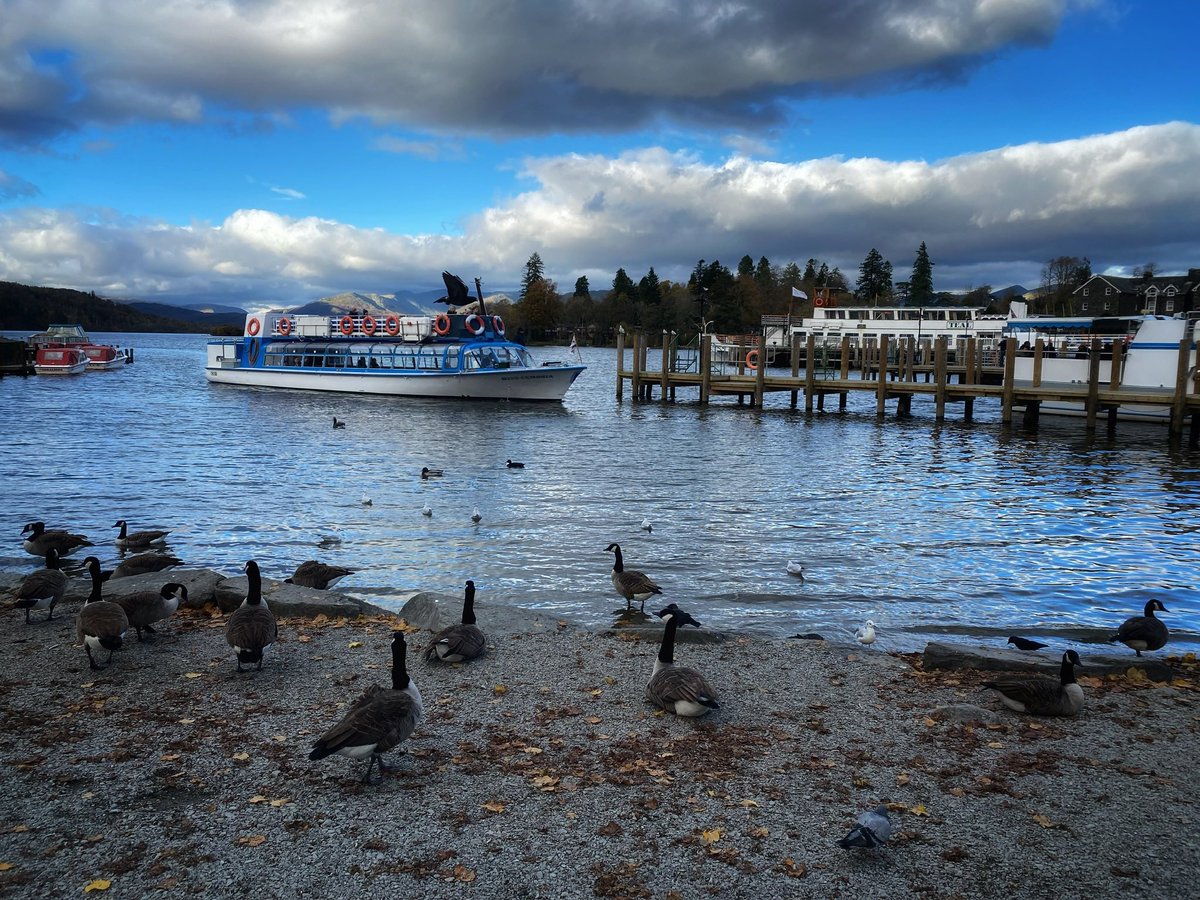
x=540, y=308
x=1060, y=277
x=920, y=285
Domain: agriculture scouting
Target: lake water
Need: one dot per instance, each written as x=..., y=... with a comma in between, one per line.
x=931, y=530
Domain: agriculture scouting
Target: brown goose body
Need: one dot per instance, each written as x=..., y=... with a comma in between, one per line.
x=628, y=583
x=145, y=608
x=462, y=642
x=101, y=624
x=136, y=540
x=682, y=691
x=1144, y=632
x=379, y=720
x=314, y=574
x=40, y=540
x=144, y=564
x=251, y=628
x=1042, y=696
x=43, y=588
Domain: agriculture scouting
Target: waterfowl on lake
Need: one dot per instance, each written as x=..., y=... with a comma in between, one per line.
x=1042, y=696
x=145, y=608
x=795, y=568
x=365, y=501
x=427, y=472
x=338, y=423
x=251, y=628
x=313, y=574
x=675, y=689
x=872, y=831
x=459, y=642
x=514, y=465
x=144, y=564
x=1143, y=632
x=865, y=633
x=136, y=540
x=427, y=510
x=43, y=588
x=40, y=540
x=378, y=721
x=1025, y=643
x=477, y=516
x=101, y=624
x=647, y=526
x=628, y=583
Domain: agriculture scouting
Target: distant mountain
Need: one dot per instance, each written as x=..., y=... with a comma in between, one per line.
x=27, y=308
x=214, y=308
x=230, y=315
x=1014, y=290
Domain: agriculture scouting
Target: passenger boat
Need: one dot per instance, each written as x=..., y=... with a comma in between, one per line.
x=450, y=355
x=60, y=361
x=1140, y=356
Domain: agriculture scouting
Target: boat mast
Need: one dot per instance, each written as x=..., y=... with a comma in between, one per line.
x=479, y=294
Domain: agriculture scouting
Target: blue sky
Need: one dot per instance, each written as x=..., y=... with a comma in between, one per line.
x=272, y=151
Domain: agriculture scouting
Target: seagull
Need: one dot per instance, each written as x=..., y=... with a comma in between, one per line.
x=865, y=634
x=366, y=501
x=426, y=510
x=647, y=527
x=794, y=568
x=515, y=465
x=872, y=831
x=477, y=516
x=338, y=423
x=1025, y=643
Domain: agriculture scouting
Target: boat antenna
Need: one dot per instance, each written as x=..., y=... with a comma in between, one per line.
x=479, y=294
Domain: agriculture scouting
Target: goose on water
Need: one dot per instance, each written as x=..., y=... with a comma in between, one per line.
x=871, y=831
x=145, y=608
x=137, y=540
x=338, y=423
x=314, y=574
x=1143, y=632
x=101, y=624
x=378, y=721
x=459, y=643
x=43, y=588
x=1042, y=696
x=40, y=540
x=676, y=689
x=511, y=464
x=144, y=564
x=427, y=472
x=628, y=583
x=251, y=628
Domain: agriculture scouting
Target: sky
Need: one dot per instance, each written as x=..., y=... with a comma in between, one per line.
x=268, y=152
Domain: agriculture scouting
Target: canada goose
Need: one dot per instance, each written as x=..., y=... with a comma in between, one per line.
x=43, y=588
x=872, y=831
x=795, y=568
x=40, y=540
x=251, y=628
x=647, y=526
x=681, y=691
x=865, y=633
x=427, y=510
x=138, y=540
x=630, y=584
x=459, y=642
x=514, y=465
x=313, y=574
x=1025, y=643
x=145, y=608
x=338, y=423
x=378, y=721
x=477, y=516
x=365, y=501
x=101, y=623
x=1043, y=696
x=144, y=564
x=427, y=472
x=1143, y=632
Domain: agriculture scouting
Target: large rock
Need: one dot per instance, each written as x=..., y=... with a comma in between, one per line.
x=201, y=585
x=962, y=656
x=290, y=599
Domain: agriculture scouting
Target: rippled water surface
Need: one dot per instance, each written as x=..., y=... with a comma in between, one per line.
x=928, y=529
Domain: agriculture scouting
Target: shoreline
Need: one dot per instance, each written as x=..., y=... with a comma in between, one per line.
x=540, y=771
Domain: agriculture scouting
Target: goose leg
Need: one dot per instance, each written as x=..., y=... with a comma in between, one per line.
x=385, y=767
x=150, y=628
x=27, y=615
x=91, y=660
x=371, y=760
x=49, y=615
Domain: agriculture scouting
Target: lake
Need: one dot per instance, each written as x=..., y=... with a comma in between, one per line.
x=973, y=531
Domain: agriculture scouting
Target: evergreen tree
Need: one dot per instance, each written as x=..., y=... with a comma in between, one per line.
x=764, y=277
x=920, y=285
x=534, y=272
x=581, y=287
x=791, y=276
x=746, y=267
x=874, y=277
x=810, y=271
x=649, y=290
x=622, y=284
x=822, y=277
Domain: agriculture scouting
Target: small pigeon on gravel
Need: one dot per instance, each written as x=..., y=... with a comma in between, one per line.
x=872, y=831
x=1025, y=643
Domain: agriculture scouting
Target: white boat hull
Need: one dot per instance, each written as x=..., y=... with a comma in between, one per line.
x=73, y=369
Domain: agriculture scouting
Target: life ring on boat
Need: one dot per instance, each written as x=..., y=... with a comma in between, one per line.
x=368, y=325
x=285, y=326
x=472, y=328
x=392, y=325
x=752, y=355
x=254, y=352
x=820, y=301
x=498, y=325
x=346, y=326
x=254, y=327
x=441, y=324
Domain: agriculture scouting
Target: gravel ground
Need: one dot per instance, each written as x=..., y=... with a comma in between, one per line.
x=540, y=771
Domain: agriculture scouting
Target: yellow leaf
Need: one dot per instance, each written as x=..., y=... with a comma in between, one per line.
x=532, y=751
x=608, y=679
x=710, y=836
x=304, y=639
x=494, y=806
x=903, y=778
x=918, y=810
x=281, y=801
x=186, y=721
x=5, y=866
x=241, y=757
x=97, y=884
x=463, y=874
x=760, y=832
x=20, y=828
x=929, y=722
x=749, y=803
x=88, y=684
x=257, y=798
x=499, y=689
x=193, y=675
x=354, y=644
x=593, y=720
x=1044, y=821
x=252, y=840
x=995, y=745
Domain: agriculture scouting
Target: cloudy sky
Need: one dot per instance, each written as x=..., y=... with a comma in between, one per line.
x=273, y=151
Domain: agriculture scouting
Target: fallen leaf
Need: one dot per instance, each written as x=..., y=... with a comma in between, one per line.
x=20, y=828
x=499, y=689
x=88, y=684
x=929, y=722
x=463, y=874
x=918, y=810
x=593, y=720
x=749, y=804
x=5, y=866
x=241, y=757
x=257, y=798
x=354, y=644
x=608, y=679
x=193, y=675
x=281, y=801
x=995, y=745
x=252, y=840
x=612, y=829
x=760, y=832
x=793, y=869
x=532, y=751
x=97, y=884
x=1042, y=820
x=186, y=721
x=304, y=638
x=169, y=757
x=903, y=778
x=494, y=806
x=711, y=836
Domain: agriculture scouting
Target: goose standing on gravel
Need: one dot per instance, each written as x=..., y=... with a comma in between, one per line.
x=101, y=623
x=144, y=564
x=459, y=643
x=313, y=574
x=145, y=608
x=678, y=690
x=40, y=540
x=251, y=628
x=630, y=584
x=43, y=588
x=1042, y=696
x=378, y=721
x=872, y=830
x=1143, y=632
x=137, y=540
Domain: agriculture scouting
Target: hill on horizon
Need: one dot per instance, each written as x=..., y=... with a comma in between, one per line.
x=29, y=308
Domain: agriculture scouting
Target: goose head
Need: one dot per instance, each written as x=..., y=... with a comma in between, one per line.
x=673, y=613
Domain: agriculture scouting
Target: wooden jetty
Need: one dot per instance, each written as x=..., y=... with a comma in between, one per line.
x=903, y=373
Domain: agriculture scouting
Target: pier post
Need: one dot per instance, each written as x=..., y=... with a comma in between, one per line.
x=810, y=373
x=1179, y=406
x=705, y=366
x=1092, y=404
x=795, y=365
x=668, y=357
x=1010, y=368
x=635, y=379
x=844, y=359
x=969, y=378
x=1038, y=352
x=760, y=377
x=620, y=362
x=881, y=387
x=940, y=375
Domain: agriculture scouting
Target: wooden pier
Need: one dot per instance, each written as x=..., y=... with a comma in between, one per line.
x=903, y=372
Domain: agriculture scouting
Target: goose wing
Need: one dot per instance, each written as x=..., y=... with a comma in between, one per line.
x=144, y=563
x=101, y=618
x=380, y=719
x=42, y=584
x=672, y=684
x=630, y=584
x=459, y=642
x=1036, y=695
x=141, y=538
x=251, y=628
x=1143, y=628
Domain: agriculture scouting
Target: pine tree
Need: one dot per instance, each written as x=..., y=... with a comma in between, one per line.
x=649, y=289
x=622, y=284
x=874, y=277
x=581, y=287
x=534, y=272
x=920, y=285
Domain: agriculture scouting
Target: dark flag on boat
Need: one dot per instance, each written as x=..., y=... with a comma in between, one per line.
x=456, y=291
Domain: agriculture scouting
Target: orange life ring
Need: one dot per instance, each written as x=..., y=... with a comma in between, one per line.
x=820, y=301
x=498, y=325
x=475, y=318
x=752, y=366
x=284, y=325
x=368, y=325
x=346, y=326
x=441, y=325
x=392, y=325
x=254, y=327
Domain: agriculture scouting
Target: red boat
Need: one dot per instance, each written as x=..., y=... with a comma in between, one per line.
x=60, y=361
x=104, y=356
x=96, y=356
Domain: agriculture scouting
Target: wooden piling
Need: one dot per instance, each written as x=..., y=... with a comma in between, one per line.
x=620, y=363
x=796, y=365
x=810, y=374
x=1010, y=367
x=635, y=379
x=1179, y=405
x=1092, y=405
x=969, y=378
x=940, y=375
x=705, y=367
x=881, y=387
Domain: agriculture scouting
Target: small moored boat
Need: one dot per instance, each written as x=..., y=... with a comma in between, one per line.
x=60, y=361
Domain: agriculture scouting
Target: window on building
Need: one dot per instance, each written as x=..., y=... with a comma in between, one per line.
x=1170, y=306
x=1085, y=291
x=1107, y=291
